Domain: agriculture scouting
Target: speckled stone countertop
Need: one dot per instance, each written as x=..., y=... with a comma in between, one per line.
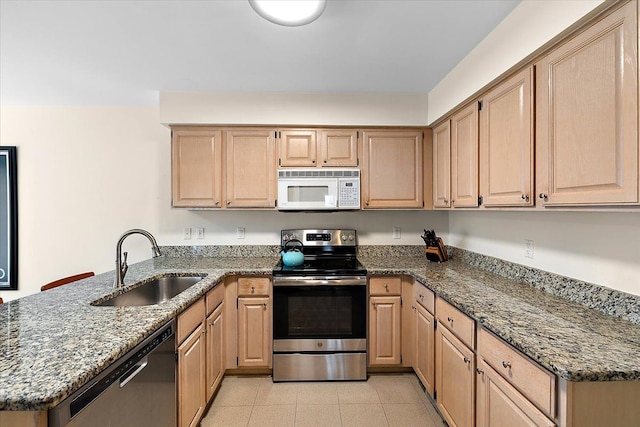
x=53, y=342
x=574, y=341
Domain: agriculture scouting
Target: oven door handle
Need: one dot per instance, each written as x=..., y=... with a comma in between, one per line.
x=320, y=281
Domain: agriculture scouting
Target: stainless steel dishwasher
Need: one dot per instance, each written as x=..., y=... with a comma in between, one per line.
x=139, y=389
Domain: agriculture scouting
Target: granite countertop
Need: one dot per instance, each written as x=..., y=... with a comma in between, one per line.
x=571, y=340
x=55, y=341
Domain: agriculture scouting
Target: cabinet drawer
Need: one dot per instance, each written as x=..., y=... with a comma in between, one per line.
x=533, y=381
x=456, y=321
x=253, y=286
x=383, y=285
x=214, y=298
x=190, y=319
x=423, y=296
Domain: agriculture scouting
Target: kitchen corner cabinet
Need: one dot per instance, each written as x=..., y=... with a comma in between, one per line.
x=254, y=322
x=196, y=167
x=385, y=326
x=506, y=143
x=191, y=365
x=587, y=116
x=464, y=157
x=392, y=169
x=455, y=365
x=442, y=165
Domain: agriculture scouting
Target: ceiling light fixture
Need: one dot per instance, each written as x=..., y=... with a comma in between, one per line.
x=291, y=13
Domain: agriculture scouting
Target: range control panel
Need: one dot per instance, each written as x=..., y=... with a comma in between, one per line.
x=316, y=237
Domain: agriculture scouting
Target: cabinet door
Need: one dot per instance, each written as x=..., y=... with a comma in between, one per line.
x=506, y=143
x=196, y=168
x=338, y=148
x=392, y=169
x=464, y=157
x=384, y=331
x=587, y=116
x=215, y=350
x=499, y=404
x=254, y=332
x=191, y=378
x=297, y=148
x=442, y=165
x=251, y=171
x=455, y=375
x=424, y=364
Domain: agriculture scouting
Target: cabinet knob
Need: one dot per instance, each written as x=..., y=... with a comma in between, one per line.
x=452, y=201
x=506, y=364
x=386, y=288
x=525, y=197
x=449, y=319
x=446, y=201
x=466, y=360
x=325, y=161
x=228, y=202
x=253, y=289
x=366, y=202
x=479, y=371
x=264, y=305
x=313, y=161
x=217, y=202
x=543, y=196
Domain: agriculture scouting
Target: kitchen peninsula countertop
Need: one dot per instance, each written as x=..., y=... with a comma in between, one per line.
x=55, y=341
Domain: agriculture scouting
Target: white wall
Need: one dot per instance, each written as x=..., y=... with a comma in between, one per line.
x=531, y=24
x=87, y=174
x=330, y=109
x=602, y=248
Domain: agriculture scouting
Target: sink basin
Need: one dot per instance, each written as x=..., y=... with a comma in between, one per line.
x=154, y=291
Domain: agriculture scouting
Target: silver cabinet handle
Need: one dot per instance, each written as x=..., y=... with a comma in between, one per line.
x=386, y=288
x=466, y=360
x=506, y=364
x=479, y=371
x=217, y=202
x=449, y=319
x=525, y=197
x=543, y=196
x=228, y=202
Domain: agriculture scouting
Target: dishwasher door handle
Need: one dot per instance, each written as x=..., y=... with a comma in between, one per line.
x=136, y=370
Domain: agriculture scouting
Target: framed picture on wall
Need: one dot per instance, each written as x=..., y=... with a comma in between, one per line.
x=8, y=219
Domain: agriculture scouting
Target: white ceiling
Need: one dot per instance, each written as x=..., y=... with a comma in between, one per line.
x=111, y=52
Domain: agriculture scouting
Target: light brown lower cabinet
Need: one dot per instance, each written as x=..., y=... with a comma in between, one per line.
x=500, y=404
x=215, y=347
x=191, y=378
x=424, y=352
x=455, y=379
x=254, y=332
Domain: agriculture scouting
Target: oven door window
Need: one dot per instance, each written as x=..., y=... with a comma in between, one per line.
x=329, y=312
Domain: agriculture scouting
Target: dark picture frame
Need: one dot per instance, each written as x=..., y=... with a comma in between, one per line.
x=8, y=218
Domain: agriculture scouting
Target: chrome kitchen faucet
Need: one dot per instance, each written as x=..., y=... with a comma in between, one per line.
x=121, y=264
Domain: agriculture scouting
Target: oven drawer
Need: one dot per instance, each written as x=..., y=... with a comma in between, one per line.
x=383, y=285
x=253, y=286
x=319, y=367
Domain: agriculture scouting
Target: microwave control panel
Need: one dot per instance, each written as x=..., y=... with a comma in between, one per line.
x=349, y=193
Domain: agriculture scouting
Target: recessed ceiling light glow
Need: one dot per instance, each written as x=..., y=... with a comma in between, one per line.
x=291, y=13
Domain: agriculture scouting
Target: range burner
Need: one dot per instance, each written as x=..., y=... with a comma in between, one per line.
x=325, y=266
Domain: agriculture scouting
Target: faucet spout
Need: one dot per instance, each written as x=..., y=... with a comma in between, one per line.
x=121, y=259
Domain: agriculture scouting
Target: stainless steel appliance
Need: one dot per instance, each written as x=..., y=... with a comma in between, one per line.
x=139, y=389
x=319, y=189
x=320, y=310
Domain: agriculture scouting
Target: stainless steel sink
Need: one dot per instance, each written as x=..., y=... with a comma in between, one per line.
x=152, y=292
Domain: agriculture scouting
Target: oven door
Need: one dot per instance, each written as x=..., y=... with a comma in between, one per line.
x=307, y=193
x=319, y=314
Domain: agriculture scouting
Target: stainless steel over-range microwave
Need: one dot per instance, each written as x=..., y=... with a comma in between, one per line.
x=319, y=189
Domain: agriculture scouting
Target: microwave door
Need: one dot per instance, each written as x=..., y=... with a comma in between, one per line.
x=307, y=194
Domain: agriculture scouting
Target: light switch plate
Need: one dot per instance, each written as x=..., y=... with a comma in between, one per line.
x=396, y=232
x=200, y=233
x=240, y=232
x=187, y=233
x=528, y=249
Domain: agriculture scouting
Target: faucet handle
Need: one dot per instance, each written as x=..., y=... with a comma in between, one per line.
x=124, y=267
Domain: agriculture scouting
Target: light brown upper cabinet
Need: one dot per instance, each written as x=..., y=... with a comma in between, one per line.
x=506, y=143
x=464, y=157
x=250, y=168
x=587, y=116
x=392, y=169
x=442, y=165
x=196, y=167
x=297, y=147
x=338, y=148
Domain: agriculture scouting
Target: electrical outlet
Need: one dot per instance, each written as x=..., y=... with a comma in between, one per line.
x=396, y=232
x=240, y=232
x=528, y=249
x=187, y=233
x=200, y=233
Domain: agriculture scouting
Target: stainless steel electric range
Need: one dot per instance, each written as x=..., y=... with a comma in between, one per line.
x=320, y=310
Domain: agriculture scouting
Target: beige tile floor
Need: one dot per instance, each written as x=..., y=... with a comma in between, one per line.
x=383, y=400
